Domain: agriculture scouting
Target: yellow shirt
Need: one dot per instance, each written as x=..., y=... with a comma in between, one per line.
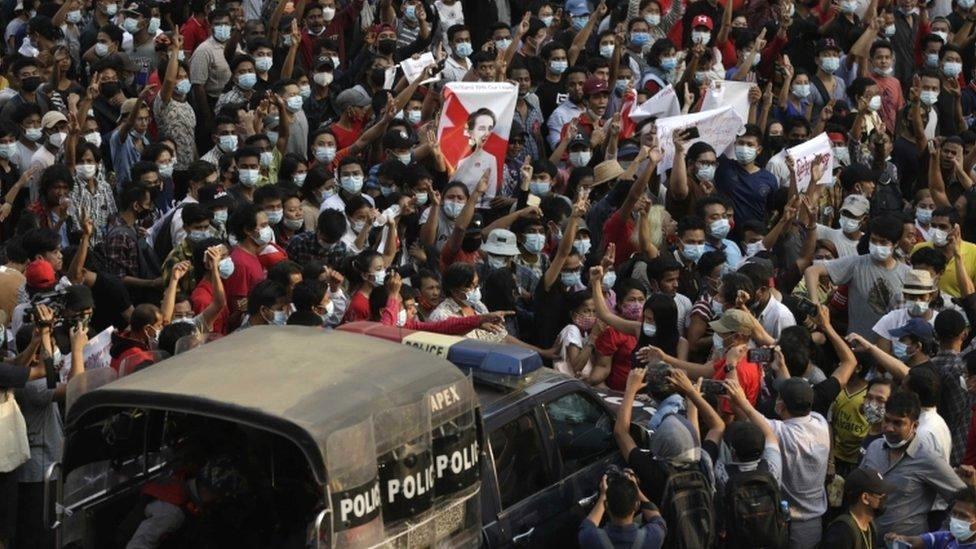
x=948, y=282
x=849, y=425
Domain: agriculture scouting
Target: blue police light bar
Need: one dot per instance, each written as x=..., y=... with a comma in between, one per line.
x=493, y=358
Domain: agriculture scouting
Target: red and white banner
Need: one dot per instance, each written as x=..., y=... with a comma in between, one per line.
x=489, y=129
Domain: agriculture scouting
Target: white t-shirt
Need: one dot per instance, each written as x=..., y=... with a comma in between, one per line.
x=684, y=311
x=571, y=335
x=893, y=320
x=775, y=317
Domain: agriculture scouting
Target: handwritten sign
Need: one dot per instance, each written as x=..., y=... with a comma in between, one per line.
x=664, y=103
x=413, y=67
x=723, y=93
x=717, y=127
x=804, y=155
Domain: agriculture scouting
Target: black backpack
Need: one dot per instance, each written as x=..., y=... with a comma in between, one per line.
x=752, y=512
x=164, y=237
x=686, y=506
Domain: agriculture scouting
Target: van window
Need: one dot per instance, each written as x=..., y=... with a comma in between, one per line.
x=519, y=459
x=583, y=429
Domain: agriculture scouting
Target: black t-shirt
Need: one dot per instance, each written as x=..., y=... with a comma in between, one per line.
x=824, y=394
x=840, y=534
x=111, y=300
x=548, y=93
x=551, y=313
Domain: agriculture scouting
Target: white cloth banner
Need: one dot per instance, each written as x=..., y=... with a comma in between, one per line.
x=664, y=103
x=722, y=93
x=717, y=127
x=804, y=155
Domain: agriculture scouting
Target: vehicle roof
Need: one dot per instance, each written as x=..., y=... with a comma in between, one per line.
x=300, y=382
x=496, y=393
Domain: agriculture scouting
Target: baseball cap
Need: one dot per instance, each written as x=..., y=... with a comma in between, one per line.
x=796, y=393
x=214, y=196
x=40, y=275
x=918, y=328
x=702, y=21
x=138, y=8
x=594, y=86
x=827, y=44
x=856, y=204
x=918, y=282
x=51, y=119
x=396, y=139
x=501, y=242
x=353, y=97
x=579, y=140
x=859, y=481
x=733, y=320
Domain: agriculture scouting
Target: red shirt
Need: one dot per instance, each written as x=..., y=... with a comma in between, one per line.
x=201, y=298
x=194, y=32
x=344, y=137
x=750, y=378
x=358, y=308
x=619, y=231
x=620, y=347
x=247, y=273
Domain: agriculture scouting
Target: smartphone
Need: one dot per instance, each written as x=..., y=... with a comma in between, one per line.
x=807, y=307
x=692, y=133
x=760, y=356
x=712, y=387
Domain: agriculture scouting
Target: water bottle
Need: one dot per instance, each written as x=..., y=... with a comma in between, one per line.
x=784, y=507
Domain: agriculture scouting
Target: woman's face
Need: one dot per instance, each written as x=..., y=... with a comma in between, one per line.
x=325, y=140
x=293, y=208
x=455, y=194
x=87, y=157
x=376, y=265
x=633, y=296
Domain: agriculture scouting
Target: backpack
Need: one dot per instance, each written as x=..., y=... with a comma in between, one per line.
x=752, y=512
x=164, y=236
x=686, y=505
x=606, y=543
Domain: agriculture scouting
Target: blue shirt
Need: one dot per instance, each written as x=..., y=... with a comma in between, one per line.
x=733, y=255
x=124, y=155
x=622, y=536
x=748, y=191
x=944, y=540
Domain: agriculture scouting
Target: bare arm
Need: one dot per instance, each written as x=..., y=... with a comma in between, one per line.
x=603, y=312
x=565, y=245
x=172, y=69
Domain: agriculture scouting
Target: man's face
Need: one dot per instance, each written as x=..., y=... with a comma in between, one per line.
x=462, y=36
x=692, y=237
x=430, y=288
x=598, y=103
x=250, y=163
x=142, y=121
x=54, y=258
x=714, y=212
x=522, y=78
x=898, y=428
x=882, y=58
x=574, y=86
x=202, y=225
x=314, y=20
x=350, y=170
x=56, y=192
x=950, y=151
x=931, y=84
x=486, y=71
x=603, y=73
x=668, y=284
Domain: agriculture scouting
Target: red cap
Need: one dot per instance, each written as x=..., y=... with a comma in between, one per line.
x=40, y=275
x=702, y=21
x=380, y=27
x=836, y=137
x=595, y=85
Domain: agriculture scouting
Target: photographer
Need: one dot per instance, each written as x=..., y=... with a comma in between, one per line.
x=622, y=499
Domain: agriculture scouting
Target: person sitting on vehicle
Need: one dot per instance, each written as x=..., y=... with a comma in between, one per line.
x=622, y=499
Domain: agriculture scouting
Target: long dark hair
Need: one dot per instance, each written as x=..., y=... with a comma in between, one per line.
x=666, y=319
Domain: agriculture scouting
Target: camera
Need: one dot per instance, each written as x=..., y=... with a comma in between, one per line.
x=54, y=300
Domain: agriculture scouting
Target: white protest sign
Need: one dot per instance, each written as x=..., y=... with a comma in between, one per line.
x=664, y=103
x=96, y=353
x=723, y=93
x=717, y=127
x=804, y=155
x=413, y=67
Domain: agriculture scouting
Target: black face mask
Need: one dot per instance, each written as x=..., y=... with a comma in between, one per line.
x=386, y=46
x=794, y=141
x=882, y=506
x=377, y=77
x=774, y=143
x=30, y=84
x=109, y=89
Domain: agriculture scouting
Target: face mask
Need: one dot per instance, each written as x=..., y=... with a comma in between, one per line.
x=111, y=9
x=875, y=103
x=539, y=188
x=931, y=59
x=938, y=238
x=497, y=261
x=929, y=97
x=829, y=64
x=247, y=80
x=705, y=173
x=883, y=72
x=558, y=67
x=94, y=138
x=358, y=226
x=698, y=37
x=966, y=4
x=351, y=183
x=653, y=19
x=472, y=296
x=264, y=236
x=754, y=248
x=584, y=322
x=322, y=78
x=74, y=17
x=649, y=329
x=842, y=155
x=183, y=87
x=547, y=20
x=220, y=216
x=414, y=116
x=745, y=154
x=582, y=246
x=849, y=225
x=153, y=26
x=405, y=158
x=248, y=178
x=580, y=158
x=894, y=445
x=328, y=14
x=263, y=63
x=693, y=252
x=801, y=90
x=639, y=38
x=951, y=69
x=609, y=279
x=294, y=224
x=606, y=50
x=304, y=91
x=899, y=349
x=669, y=63
x=294, y=103
x=274, y=216
x=85, y=171
x=580, y=22
x=265, y=158
x=34, y=134
x=279, y=318
x=8, y=150
x=879, y=253
x=421, y=198
x=503, y=44
x=923, y=216
x=917, y=308
x=131, y=25
x=717, y=308
x=386, y=191
x=166, y=170
x=631, y=310
x=462, y=49
x=874, y=413
x=227, y=143
x=571, y=280
x=452, y=209
x=889, y=30
x=221, y=33
x=325, y=154
x=534, y=242
x=719, y=228
x=960, y=529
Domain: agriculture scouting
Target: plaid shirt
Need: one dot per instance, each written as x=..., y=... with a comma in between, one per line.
x=953, y=406
x=122, y=250
x=305, y=247
x=99, y=205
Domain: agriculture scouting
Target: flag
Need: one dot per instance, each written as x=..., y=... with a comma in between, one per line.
x=469, y=163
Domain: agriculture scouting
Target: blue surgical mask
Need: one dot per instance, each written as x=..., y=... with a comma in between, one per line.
x=719, y=228
x=197, y=236
x=650, y=330
x=570, y=279
x=248, y=178
x=279, y=318
x=503, y=44
x=221, y=33
x=472, y=296
x=463, y=49
x=830, y=64
x=274, y=216
x=452, y=208
x=225, y=268
x=539, y=188
x=745, y=154
x=325, y=154
x=351, y=183
x=183, y=87
x=582, y=246
x=693, y=252
x=580, y=22
x=247, y=80
x=227, y=143
x=294, y=103
x=534, y=242
x=220, y=216
x=639, y=38
x=899, y=349
x=669, y=63
x=609, y=279
x=558, y=67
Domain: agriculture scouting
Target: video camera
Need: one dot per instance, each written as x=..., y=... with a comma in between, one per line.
x=53, y=300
